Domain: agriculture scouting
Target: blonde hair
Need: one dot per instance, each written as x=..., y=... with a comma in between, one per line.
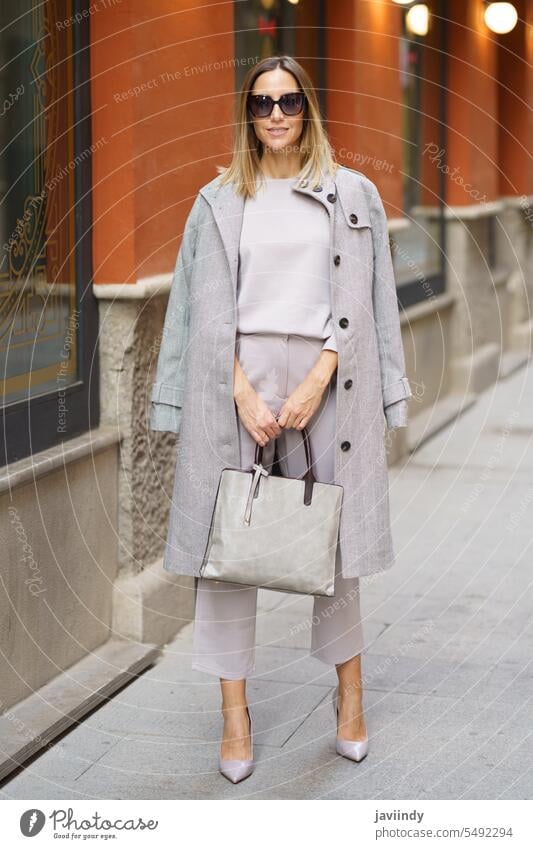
x=316, y=153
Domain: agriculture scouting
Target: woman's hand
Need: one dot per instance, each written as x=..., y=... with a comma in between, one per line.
x=305, y=400
x=254, y=413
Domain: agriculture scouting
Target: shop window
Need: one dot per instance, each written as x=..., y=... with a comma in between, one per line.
x=48, y=315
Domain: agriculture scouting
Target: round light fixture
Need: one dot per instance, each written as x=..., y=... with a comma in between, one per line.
x=417, y=19
x=500, y=17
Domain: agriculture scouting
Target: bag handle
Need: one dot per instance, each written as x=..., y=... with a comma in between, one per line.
x=308, y=475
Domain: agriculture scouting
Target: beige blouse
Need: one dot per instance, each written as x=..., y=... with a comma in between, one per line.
x=283, y=276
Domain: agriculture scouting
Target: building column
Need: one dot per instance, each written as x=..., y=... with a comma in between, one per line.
x=476, y=272
x=514, y=239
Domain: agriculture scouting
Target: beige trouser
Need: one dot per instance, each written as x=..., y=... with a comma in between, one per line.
x=225, y=617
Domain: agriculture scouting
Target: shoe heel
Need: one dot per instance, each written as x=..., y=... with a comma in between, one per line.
x=334, y=703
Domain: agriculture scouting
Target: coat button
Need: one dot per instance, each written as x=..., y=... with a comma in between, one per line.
x=337, y=259
x=317, y=189
x=332, y=198
x=345, y=446
x=348, y=384
x=353, y=218
x=344, y=322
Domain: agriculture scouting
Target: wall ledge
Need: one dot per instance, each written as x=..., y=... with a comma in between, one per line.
x=520, y=201
x=145, y=287
x=466, y=212
x=398, y=223
x=44, y=462
x=433, y=305
x=32, y=724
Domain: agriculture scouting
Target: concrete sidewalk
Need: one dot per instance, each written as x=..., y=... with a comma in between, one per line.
x=448, y=664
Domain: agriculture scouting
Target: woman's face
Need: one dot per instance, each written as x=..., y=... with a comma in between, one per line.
x=277, y=131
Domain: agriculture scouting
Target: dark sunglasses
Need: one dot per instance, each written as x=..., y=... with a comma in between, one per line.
x=261, y=105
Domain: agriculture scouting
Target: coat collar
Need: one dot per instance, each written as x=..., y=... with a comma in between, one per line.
x=222, y=197
x=228, y=207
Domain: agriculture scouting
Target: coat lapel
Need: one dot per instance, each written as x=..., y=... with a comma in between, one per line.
x=228, y=209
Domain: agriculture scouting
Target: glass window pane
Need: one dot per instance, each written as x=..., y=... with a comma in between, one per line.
x=39, y=315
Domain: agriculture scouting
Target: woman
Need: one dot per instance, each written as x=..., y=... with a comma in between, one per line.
x=282, y=315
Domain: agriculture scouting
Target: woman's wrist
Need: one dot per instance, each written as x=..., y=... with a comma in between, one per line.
x=324, y=368
x=241, y=392
x=241, y=384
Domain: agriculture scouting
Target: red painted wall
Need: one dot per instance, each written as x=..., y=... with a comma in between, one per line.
x=165, y=109
x=364, y=97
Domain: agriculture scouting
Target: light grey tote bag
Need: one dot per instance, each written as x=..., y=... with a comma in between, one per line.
x=275, y=532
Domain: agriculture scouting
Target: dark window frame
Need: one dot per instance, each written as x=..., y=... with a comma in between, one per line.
x=414, y=292
x=31, y=425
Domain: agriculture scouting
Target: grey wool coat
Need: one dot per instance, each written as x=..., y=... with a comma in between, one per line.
x=193, y=389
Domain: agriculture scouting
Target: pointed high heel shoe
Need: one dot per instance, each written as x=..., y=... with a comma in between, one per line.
x=355, y=750
x=236, y=770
